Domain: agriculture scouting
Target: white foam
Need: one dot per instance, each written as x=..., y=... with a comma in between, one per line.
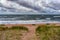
x=27, y=22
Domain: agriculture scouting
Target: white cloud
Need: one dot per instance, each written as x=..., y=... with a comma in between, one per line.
x=11, y=4
x=30, y=5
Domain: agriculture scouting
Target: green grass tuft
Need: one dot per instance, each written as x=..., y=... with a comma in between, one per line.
x=48, y=32
x=19, y=28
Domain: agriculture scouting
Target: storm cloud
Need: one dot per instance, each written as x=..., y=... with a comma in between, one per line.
x=43, y=6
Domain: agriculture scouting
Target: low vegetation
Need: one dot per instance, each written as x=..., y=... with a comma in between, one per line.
x=13, y=27
x=43, y=32
x=48, y=32
x=19, y=28
x=2, y=25
x=12, y=33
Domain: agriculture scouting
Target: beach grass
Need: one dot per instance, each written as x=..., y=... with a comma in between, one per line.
x=48, y=32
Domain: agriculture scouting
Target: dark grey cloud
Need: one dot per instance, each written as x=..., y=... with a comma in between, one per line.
x=3, y=8
x=55, y=6
x=12, y=0
x=28, y=5
x=34, y=6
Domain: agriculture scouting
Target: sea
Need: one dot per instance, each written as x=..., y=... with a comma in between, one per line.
x=29, y=19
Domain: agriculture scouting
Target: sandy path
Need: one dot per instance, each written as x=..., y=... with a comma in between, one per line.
x=3, y=36
x=31, y=34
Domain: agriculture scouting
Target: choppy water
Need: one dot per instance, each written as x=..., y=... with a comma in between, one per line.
x=26, y=19
x=29, y=17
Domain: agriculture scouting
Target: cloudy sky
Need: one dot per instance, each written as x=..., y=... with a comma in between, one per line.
x=34, y=6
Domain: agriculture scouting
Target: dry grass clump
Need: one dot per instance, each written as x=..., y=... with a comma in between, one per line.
x=19, y=28
x=13, y=28
x=12, y=33
x=2, y=24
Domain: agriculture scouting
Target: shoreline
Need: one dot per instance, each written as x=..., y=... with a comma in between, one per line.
x=28, y=22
